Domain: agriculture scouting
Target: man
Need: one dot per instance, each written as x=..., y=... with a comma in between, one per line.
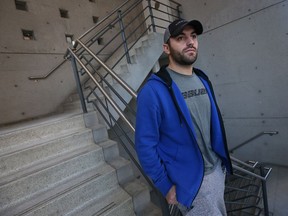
x=180, y=137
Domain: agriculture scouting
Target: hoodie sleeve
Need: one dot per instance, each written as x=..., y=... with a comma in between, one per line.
x=148, y=120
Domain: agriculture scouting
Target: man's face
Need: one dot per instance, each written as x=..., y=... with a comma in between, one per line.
x=183, y=49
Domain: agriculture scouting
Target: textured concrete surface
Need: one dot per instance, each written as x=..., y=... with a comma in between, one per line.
x=277, y=188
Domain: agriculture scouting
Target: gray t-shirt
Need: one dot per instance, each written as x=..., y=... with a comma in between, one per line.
x=198, y=102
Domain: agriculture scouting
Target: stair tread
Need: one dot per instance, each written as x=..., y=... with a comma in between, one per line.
x=102, y=205
x=36, y=122
x=40, y=200
x=58, y=190
x=119, y=162
x=50, y=162
x=150, y=210
x=32, y=134
x=27, y=145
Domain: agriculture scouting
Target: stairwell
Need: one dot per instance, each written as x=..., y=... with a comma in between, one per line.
x=65, y=164
x=57, y=166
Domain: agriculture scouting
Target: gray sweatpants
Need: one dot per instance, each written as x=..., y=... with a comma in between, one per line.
x=210, y=199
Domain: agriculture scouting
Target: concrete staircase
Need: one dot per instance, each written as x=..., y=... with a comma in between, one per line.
x=144, y=55
x=66, y=165
x=57, y=166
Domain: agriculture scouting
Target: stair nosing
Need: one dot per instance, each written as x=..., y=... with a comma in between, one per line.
x=46, y=164
x=5, y=130
x=60, y=189
x=29, y=145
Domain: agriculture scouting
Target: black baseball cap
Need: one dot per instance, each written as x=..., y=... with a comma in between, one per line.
x=176, y=28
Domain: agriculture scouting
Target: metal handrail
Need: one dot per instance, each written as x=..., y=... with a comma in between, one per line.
x=271, y=133
x=113, y=22
x=255, y=164
x=102, y=31
x=262, y=177
x=103, y=20
x=251, y=173
x=113, y=103
x=49, y=73
x=35, y=78
x=78, y=55
x=111, y=72
x=243, y=163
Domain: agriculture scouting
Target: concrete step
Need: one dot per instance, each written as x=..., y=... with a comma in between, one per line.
x=123, y=169
x=76, y=105
x=135, y=188
x=75, y=96
x=110, y=149
x=34, y=131
x=150, y=210
x=140, y=194
x=21, y=158
x=37, y=179
x=117, y=202
x=69, y=195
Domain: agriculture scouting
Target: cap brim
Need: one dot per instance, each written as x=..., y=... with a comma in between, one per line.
x=195, y=24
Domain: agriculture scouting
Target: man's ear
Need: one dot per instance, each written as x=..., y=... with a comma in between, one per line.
x=166, y=49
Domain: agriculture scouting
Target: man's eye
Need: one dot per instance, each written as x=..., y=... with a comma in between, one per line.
x=194, y=36
x=180, y=38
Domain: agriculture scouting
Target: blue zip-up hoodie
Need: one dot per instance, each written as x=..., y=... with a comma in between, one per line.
x=165, y=137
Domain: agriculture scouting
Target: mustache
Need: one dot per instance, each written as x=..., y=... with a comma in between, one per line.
x=190, y=47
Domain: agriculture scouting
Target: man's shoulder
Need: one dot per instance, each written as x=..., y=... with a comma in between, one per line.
x=200, y=73
x=152, y=84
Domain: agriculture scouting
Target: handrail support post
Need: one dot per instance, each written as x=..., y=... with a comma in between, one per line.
x=151, y=15
x=124, y=37
x=78, y=84
x=264, y=192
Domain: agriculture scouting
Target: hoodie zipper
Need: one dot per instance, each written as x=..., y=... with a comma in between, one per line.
x=195, y=141
x=180, y=113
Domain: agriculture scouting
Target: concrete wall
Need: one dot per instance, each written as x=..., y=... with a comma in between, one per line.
x=21, y=98
x=244, y=50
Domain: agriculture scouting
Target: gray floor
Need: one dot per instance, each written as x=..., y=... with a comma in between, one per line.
x=277, y=189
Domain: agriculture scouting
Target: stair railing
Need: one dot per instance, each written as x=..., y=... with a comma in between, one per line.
x=133, y=28
x=35, y=78
x=164, y=205
x=271, y=133
x=93, y=67
x=247, y=175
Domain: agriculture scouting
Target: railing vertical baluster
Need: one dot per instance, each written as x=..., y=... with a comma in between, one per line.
x=124, y=37
x=78, y=84
x=163, y=203
x=178, y=11
x=151, y=15
x=264, y=192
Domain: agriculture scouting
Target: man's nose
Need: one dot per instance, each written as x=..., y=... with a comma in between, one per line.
x=190, y=41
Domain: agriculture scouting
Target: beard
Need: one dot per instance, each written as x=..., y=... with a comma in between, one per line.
x=181, y=58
